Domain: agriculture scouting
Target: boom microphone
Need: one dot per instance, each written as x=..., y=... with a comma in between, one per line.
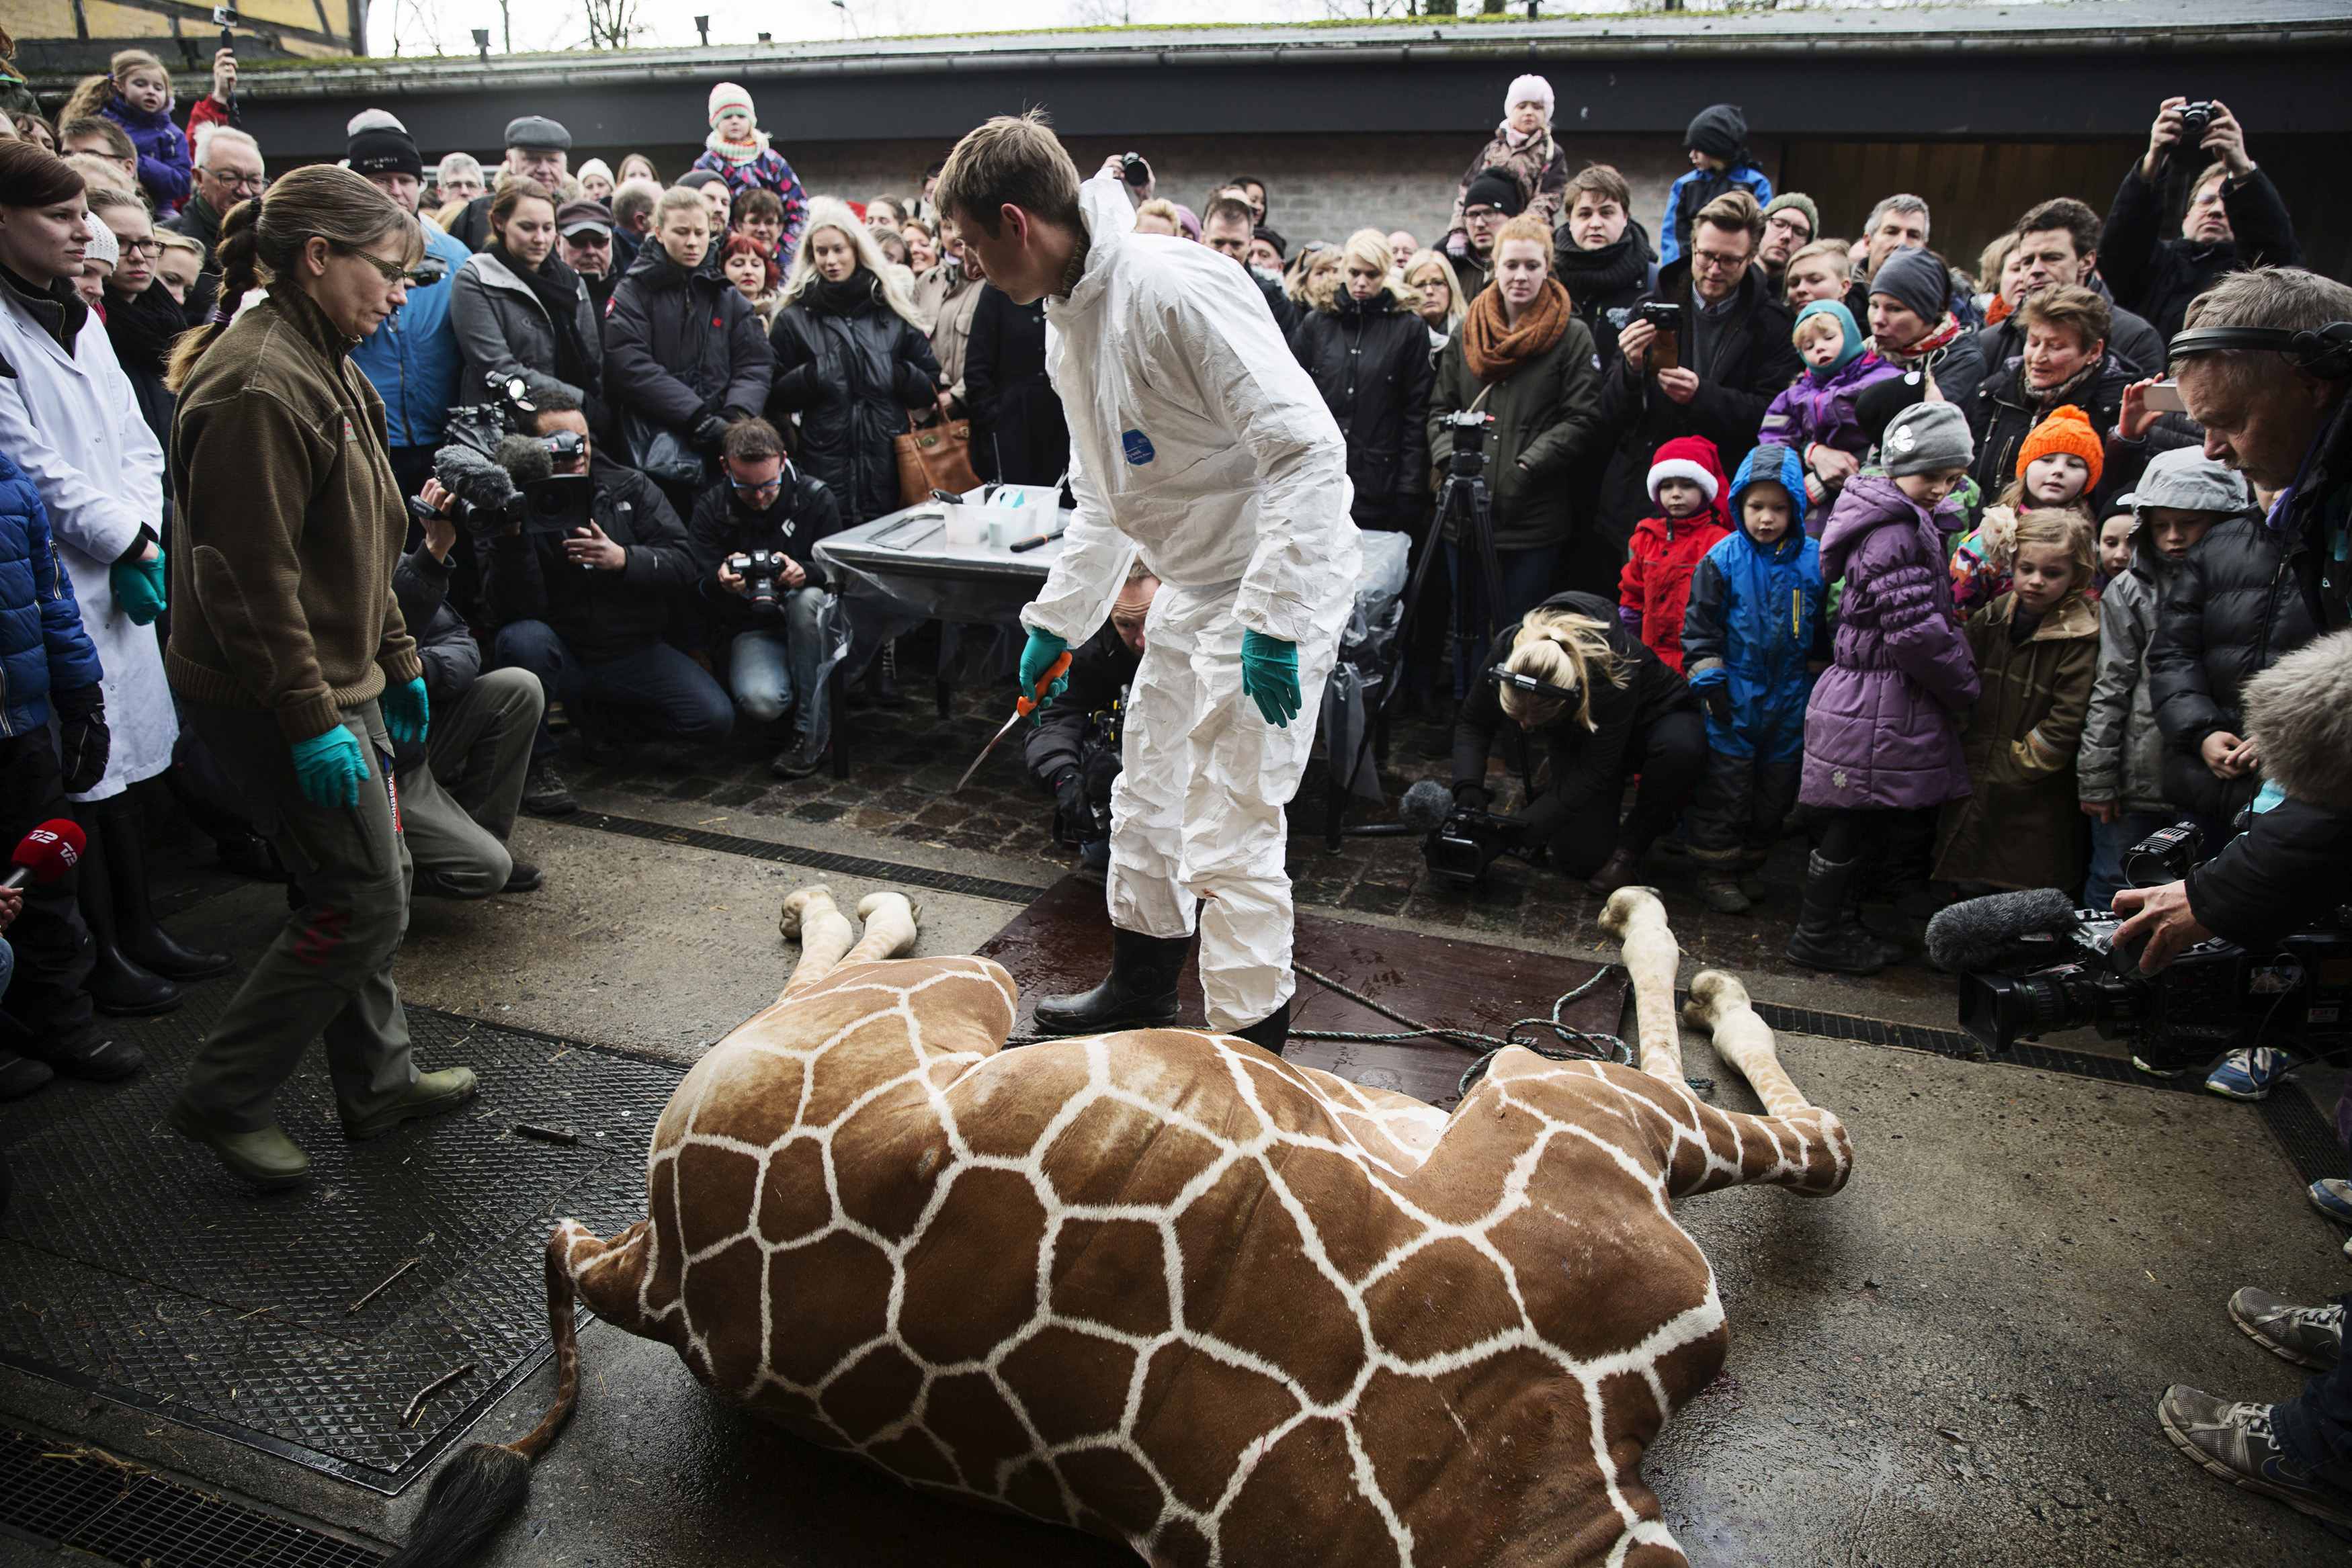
x=525, y=460
x=46, y=853
x=1983, y=933
x=1425, y=807
x=473, y=479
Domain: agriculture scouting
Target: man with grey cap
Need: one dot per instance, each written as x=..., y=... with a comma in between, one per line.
x=412, y=360
x=585, y=231
x=1912, y=326
x=536, y=149
x=1790, y=224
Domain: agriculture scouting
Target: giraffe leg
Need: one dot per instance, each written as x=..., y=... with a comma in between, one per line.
x=1635, y=917
x=890, y=932
x=823, y=932
x=1795, y=1142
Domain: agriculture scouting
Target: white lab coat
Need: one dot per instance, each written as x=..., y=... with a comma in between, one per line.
x=72, y=423
x=1195, y=436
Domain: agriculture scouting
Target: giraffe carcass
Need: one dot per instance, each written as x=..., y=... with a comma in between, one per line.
x=1170, y=1289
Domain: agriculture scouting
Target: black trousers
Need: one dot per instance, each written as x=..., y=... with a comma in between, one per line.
x=1740, y=806
x=50, y=993
x=1669, y=753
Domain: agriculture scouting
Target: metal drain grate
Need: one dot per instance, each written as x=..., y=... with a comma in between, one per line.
x=815, y=859
x=73, y=1497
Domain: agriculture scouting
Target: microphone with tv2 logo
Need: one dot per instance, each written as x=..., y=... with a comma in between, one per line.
x=46, y=853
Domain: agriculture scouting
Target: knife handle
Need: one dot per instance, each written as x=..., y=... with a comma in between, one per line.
x=1028, y=704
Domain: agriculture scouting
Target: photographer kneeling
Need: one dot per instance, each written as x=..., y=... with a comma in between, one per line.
x=584, y=609
x=1074, y=749
x=1606, y=708
x=754, y=541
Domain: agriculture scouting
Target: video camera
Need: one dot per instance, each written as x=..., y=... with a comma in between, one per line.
x=482, y=425
x=2215, y=996
x=1458, y=842
x=1469, y=427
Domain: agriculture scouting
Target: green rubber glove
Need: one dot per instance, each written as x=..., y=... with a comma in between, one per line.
x=139, y=588
x=328, y=768
x=1038, y=657
x=405, y=711
x=1270, y=676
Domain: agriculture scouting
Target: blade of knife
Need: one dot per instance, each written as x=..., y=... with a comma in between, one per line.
x=999, y=735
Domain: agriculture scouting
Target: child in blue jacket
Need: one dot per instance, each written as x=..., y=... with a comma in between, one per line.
x=1721, y=162
x=1752, y=639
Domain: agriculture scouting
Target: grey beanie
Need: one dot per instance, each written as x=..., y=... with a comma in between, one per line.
x=1926, y=438
x=2185, y=477
x=1915, y=280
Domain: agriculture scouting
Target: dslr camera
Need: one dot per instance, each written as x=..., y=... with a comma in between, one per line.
x=759, y=568
x=1469, y=427
x=2215, y=996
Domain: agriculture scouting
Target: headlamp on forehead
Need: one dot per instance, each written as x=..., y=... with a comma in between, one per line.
x=1504, y=675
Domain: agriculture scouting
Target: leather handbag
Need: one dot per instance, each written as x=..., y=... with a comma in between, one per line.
x=934, y=456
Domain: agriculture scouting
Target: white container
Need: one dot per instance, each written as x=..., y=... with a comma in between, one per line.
x=965, y=526
x=1014, y=512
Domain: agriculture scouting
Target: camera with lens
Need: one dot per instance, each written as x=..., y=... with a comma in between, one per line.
x=759, y=569
x=1460, y=849
x=1469, y=427
x=509, y=411
x=2196, y=119
x=2214, y=997
x=1134, y=170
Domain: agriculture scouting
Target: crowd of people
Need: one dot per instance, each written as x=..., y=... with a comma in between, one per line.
x=1779, y=531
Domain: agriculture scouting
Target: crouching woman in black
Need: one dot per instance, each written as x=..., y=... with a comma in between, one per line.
x=1604, y=708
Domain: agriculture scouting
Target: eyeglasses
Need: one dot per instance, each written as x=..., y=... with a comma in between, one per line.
x=239, y=182
x=423, y=276
x=149, y=248
x=1717, y=261
x=1788, y=224
x=766, y=487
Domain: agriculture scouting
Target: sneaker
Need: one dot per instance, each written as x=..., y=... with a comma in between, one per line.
x=19, y=1077
x=802, y=760
x=2307, y=1336
x=2140, y=1066
x=2332, y=1196
x=2238, y=1443
x=544, y=793
x=524, y=877
x=2249, y=1074
x=432, y=1093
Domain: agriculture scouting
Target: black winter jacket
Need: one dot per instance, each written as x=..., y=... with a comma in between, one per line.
x=1018, y=432
x=2284, y=873
x=804, y=513
x=453, y=660
x=2002, y=412
x=679, y=346
x=600, y=615
x=1103, y=666
x=1754, y=363
x=2245, y=598
x=1370, y=362
x=851, y=379
x=1600, y=281
x=2131, y=337
x=2157, y=275
x=1583, y=763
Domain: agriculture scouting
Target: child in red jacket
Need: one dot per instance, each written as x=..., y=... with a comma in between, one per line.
x=1686, y=483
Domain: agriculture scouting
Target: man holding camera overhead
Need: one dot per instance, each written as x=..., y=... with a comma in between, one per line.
x=2235, y=217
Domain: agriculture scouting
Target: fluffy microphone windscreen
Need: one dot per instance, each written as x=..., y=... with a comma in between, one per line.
x=51, y=850
x=1426, y=806
x=1978, y=933
x=525, y=459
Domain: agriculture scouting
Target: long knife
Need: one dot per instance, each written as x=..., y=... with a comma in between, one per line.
x=1022, y=709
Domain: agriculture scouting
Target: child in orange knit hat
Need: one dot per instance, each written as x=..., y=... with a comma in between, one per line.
x=2058, y=465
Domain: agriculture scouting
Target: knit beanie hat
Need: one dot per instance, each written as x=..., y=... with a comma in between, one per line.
x=731, y=98
x=1926, y=438
x=1495, y=188
x=1849, y=339
x=1803, y=204
x=1719, y=131
x=1915, y=280
x=2064, y=429
x=1690, y=457
x=383, y=149
x=1528, y=88
x=594, y=166
x=102, y=246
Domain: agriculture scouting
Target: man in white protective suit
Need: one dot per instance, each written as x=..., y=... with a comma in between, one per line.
x=1196, y=437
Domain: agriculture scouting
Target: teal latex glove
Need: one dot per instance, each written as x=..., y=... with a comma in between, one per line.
x=138, y=587
x=405, y=712
x=1270, y=676
x=1037, y=658
x=329, y=767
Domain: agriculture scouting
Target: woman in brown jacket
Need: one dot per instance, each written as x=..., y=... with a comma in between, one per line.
x=289, y=658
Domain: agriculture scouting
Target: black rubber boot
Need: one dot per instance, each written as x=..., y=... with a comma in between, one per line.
x=118, y=984
x=1140, y=992
x=1821, y=940
x=1271, y=1032
x=143, y=936
x=1859, y=938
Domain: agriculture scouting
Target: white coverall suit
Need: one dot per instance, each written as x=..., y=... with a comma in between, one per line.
x=1195, y=435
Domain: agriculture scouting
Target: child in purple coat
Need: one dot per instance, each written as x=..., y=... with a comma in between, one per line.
x=1883, y=729
x=136, y=94
x=1816, y=415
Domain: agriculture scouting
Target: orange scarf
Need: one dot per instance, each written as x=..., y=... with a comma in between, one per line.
x=1495, y=348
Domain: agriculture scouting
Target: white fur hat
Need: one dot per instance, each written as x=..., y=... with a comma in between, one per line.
x=1530, y=88
x=2299, y=712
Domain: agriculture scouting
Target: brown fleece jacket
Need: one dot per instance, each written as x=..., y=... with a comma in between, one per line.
x=289, y=523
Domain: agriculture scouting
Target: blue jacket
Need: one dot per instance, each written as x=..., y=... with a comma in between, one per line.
x=412, y=360
x=42, y=643
x=1683, y=199
x=1756, y=621
x=163, y=166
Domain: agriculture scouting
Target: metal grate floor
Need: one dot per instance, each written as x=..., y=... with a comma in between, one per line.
x=138, y=1269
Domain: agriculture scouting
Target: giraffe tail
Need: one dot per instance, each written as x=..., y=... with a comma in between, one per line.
x=476, y=1491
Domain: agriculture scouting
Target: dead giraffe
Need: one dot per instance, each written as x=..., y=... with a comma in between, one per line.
x=1170, y=1289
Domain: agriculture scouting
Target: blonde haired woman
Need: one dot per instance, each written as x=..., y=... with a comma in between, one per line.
x=1368, y=355
x=1437, y=297
x=1604, y=708
x=851, y=359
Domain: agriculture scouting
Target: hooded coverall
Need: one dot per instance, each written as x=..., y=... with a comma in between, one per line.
x=1195, y=436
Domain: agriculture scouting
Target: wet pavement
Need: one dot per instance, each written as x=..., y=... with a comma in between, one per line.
x=1954, y=1360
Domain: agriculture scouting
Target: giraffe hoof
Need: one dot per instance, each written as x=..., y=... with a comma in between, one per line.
x=1713, y=993
x=795, y=912
x=1629, y=906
